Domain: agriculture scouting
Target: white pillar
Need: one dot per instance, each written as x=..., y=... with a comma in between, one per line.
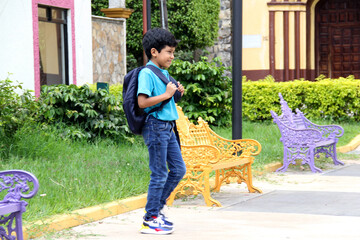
x=116, y=3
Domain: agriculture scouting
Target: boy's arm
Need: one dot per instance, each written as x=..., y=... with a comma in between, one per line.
x=145, y=101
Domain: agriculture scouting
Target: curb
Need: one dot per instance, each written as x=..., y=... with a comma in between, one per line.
x=82, y=216
x=271, y=167
x=351, y=146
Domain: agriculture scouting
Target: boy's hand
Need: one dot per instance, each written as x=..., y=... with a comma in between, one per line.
x=181, y=88
x=170, y=89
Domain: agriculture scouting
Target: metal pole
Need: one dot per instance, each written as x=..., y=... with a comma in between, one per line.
x=146, y=22
x=237, y=69
x=148, y=14
x=145, y=28
x=163, y=14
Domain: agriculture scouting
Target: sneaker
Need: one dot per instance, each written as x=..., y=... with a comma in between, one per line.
x=155, y=225
x=164, y=216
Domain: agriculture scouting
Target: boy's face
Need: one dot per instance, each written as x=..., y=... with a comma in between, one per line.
x=163, y=58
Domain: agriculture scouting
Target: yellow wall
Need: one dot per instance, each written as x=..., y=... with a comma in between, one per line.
x=256, y=22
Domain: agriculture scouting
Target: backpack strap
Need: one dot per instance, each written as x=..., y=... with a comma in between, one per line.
x=177, y=95
x=165, y=80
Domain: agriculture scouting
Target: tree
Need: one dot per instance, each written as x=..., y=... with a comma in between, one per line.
x=97, y=5
x=193, y=22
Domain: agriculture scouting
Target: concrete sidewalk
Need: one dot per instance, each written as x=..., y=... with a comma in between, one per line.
x=294, y=205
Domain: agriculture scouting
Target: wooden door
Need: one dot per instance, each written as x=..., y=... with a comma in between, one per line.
x=338, y=38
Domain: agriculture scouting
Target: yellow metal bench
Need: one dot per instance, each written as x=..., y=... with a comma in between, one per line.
x=204, y=151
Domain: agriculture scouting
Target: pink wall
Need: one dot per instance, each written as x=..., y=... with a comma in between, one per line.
x=67, y=4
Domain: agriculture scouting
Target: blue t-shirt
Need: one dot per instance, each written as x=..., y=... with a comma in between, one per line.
x=151, y=85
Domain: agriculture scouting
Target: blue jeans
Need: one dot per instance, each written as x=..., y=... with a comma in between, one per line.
x=164, y=155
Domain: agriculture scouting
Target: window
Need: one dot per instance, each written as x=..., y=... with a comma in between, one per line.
x=53, y=46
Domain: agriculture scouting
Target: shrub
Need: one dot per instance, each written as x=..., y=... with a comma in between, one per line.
x=207, y=90
x=115, y=89
x=89, y=113
x=17, y=106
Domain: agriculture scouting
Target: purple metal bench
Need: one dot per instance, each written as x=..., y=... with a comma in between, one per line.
x=303, y=139
x=17, y=184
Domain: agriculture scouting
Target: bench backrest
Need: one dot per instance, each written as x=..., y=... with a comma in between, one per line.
x=183, y=125
x=191, y=134
x=297, y=122
x=200, y=133
x=289, y=118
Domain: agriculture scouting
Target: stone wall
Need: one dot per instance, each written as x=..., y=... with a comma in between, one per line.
x=222, y=47
x=109, y=49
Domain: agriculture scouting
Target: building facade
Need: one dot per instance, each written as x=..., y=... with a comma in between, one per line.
x=46, y=42
x=295, y=39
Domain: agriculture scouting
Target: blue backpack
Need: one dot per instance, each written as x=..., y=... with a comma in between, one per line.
x=136, y=116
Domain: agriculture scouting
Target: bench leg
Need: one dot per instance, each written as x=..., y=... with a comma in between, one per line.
x=195, y=182
x=286, y=161
x=251, y=188
x=208, y=199
x=224, y=175
x=8, y=222
x=307, y=154
x=217, y=181
x=334, y=157
x=311, y=162
x=242, y=173
x=331, y=151
x=19, y=228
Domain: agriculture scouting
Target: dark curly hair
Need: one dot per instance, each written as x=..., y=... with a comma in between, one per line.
x=157, y=38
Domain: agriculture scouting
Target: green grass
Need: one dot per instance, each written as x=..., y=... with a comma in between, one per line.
x=75, y=174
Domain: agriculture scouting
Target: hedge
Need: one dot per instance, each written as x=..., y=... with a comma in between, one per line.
x=332, y=99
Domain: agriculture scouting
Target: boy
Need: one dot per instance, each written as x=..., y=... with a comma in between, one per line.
x=164, y=151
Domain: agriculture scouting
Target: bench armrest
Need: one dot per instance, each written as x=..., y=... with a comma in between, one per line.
x=332, y=131
x=327, y=131
x=237, y=147
x=18, y=185
x=199, y=156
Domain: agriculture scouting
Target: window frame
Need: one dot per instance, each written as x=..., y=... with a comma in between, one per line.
x=64, y=63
